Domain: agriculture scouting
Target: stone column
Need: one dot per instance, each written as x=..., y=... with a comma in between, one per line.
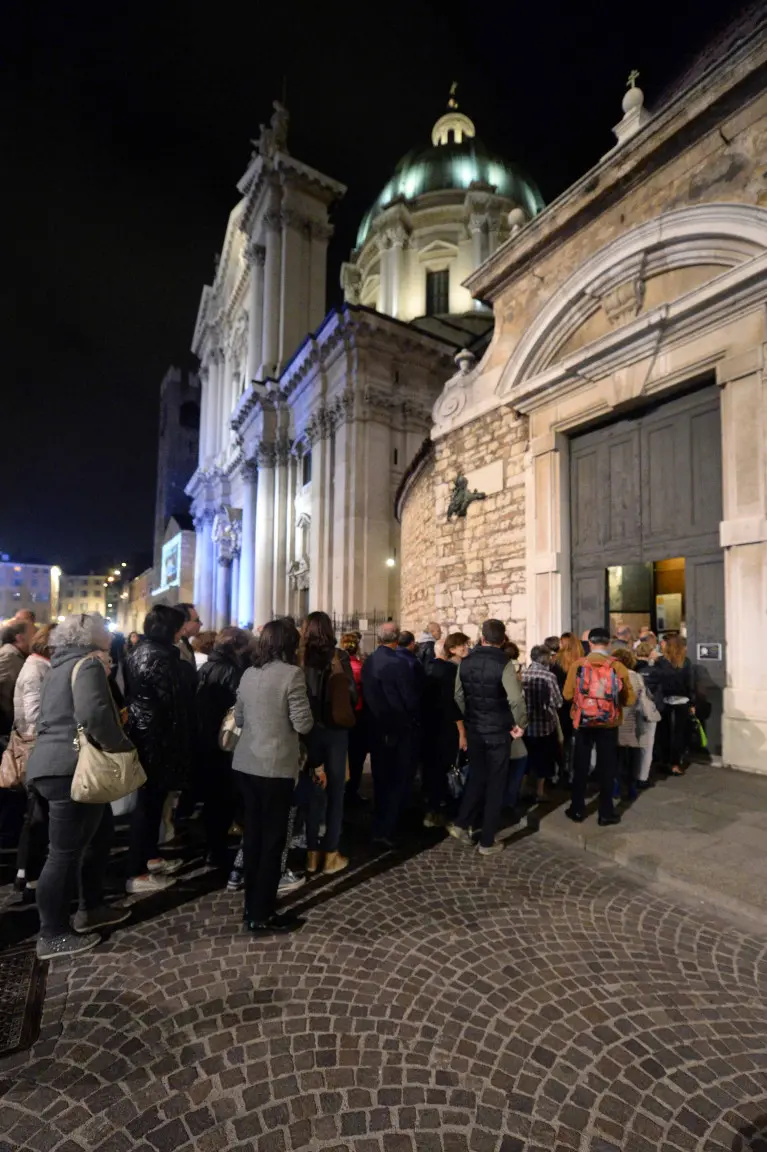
x=743, y=534
x=234, y=590
x=203, y=592
x=205, y=421
x=547, y=611
x=265, y=535
x=384, y=273
x=321, y=542
x=217, y=379
x=319, y=234
x=291, y=555
x=225, y=411
x=272, y=280
x=282, y=452
x=398, y=237
x=247, y=548
x=256, y=258
x=294, y=286
x=223, y=587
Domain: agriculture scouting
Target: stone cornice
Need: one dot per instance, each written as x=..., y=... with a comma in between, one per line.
x=691, y=114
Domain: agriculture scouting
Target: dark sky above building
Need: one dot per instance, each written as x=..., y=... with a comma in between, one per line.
x=126, y=128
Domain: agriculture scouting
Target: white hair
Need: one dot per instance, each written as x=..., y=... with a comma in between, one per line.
x=78, y=631
x=388, y=632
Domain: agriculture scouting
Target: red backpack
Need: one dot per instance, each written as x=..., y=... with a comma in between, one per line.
x=597, y=695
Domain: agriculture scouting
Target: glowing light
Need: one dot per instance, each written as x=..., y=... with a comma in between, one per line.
x=60, y=618
x=118, y=572
x=55, y=571
x=391, y=562
x=105, y=583
x=110, y=580
x=123, y=565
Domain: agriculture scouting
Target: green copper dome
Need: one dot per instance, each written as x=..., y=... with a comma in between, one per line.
x=453, y=165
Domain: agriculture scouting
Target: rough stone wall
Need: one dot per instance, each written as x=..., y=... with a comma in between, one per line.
x=463, y=571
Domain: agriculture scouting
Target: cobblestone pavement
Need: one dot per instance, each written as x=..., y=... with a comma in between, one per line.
x=439, y=1003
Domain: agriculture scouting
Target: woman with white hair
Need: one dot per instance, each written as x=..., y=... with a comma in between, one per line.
x=80, y=835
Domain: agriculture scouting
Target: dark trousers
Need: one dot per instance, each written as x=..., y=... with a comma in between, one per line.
x=483, y=796
x=266, y=802
x=605, y=740
x=80, y=842
x=675, y=724
x=12, y=808
x=145, y=827
x=220, y=802
x=358, y=750
x=327, y=747
x=392, y=764
x=542, y=755
x=439, y=751
x=33, y=842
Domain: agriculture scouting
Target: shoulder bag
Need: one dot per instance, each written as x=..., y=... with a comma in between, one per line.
x=13, y=765
x=338, y=702
x=101, y=777
x=229, y=733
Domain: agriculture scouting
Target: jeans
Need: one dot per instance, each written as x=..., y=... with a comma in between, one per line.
x=603, y=741
x=517, y=772
x=266, y=802
x=485, y=787
x=648, y=736
x=675, y=730
x=358, y=750
x=145, y=827
x=80, y=842
x=392, y=760
x=327, y=747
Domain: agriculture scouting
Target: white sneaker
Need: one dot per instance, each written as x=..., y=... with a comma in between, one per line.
x=162, y=867
x=289, y=882
x=493, y=850
x=148, y=884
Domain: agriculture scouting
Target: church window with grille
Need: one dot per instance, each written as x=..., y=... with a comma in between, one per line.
x=438, y=293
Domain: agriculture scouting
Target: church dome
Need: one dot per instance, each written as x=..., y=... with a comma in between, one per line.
x=456, y=159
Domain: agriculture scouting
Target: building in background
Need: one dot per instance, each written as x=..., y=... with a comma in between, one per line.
x=27, y=586
x=83, y=593
x=177, y=452
x=308, y=419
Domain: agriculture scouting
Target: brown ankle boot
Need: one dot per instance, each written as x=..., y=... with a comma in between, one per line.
x=334, y=862
x=313, y=861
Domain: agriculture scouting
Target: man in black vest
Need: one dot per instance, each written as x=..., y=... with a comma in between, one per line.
x=489, y=694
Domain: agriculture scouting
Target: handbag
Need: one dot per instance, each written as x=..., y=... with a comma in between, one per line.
x=229, y=733
x=456, y=779
x=100, y=776
x=13, y=765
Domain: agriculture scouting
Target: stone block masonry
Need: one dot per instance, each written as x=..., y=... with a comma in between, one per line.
x=462, y=571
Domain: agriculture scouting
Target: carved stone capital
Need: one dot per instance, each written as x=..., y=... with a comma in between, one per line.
x=255, y=255
x=273, y=221
x=319, y=229
x=265, y=455
x=282, y=452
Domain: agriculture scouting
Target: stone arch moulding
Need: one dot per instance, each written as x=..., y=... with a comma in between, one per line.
x=727, y=234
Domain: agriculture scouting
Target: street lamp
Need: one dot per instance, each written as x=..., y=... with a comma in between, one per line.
x=391, y=562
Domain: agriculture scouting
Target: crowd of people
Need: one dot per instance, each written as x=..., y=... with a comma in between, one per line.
x=268, y=735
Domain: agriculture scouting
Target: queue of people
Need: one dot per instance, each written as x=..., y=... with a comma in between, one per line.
x=305, y=713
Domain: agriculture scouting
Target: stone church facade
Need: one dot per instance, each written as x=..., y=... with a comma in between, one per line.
x=617, y=423
x=309, y=418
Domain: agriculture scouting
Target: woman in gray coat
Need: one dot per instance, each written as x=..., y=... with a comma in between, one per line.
x=80, y=834
x=273, y=710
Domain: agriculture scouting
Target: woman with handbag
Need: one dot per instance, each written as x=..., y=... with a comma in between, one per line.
x=75, y=696
x=272, y=711
x=676, y=680
x=332, y=696
x=637, y=731
x=217, y=682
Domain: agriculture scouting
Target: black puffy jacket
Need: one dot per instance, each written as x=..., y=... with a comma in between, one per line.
x=217, y=684
x=488, y=712
x=161, y=722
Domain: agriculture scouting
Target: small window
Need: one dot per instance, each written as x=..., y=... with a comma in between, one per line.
x=306, y=468
x=189, y=415
x=396, y=457
x=438, y=293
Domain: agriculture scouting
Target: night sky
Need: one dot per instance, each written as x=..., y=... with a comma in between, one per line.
x=125, y=129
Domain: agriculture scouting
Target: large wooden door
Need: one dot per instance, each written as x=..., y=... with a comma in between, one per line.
x=649, y=489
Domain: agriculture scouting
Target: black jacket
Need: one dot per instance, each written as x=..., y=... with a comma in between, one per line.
x=217, y=684
x=439, y=706
x=488, y=712
x=387, y=689
x=161, y=722
x=673, y=681
x=425, y=652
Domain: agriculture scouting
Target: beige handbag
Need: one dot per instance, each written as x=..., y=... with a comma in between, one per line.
x=101, y=777
x=229, y=733
x=13, y=765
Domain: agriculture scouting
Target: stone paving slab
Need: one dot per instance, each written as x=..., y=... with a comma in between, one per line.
x=704, y=834
x=436, y=1002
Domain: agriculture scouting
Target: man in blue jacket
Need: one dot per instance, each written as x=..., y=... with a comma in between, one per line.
x=392, y=705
